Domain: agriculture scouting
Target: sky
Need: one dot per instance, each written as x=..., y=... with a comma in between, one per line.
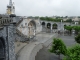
x=43, y=7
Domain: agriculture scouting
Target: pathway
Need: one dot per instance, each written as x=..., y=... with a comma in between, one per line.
x=33, y=47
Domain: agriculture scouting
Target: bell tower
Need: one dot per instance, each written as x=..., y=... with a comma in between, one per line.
x=10, y=8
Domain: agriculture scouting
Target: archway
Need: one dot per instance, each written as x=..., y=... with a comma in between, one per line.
x=43, y=27
x=54, y=26
x=64, y=25
x=2, y=49
x=43, y=23
x=48, y=25
x=32, y=28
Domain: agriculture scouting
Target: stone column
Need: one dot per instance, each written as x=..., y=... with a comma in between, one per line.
x=45, y=27
x=51, y=28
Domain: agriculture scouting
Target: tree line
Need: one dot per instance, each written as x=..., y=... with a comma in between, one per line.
x=70, y=28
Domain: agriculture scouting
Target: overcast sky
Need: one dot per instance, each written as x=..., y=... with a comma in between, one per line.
x=43, y=7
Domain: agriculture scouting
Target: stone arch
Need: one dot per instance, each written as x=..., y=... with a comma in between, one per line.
x=43, y=23
x=54, y=26
x=32, y=28
x=49, y=25
x=2, y=49
x=65, y=25
x=43, y=26
x=32, y=24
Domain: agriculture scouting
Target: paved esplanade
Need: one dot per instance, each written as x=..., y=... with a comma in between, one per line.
x=44, y=54
x=30, y=50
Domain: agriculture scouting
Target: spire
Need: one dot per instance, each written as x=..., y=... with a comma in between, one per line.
x=10, y=2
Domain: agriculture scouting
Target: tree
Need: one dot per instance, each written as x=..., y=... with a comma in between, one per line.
x=73, y=53
x=69, y=20
x=77, y=29
x=36, y=17
x=77, y=38
x=69, y=28
x=58, y=47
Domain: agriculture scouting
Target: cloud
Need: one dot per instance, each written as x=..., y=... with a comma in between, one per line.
x=44, y=7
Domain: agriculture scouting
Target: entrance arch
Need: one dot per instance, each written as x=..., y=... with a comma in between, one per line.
x=54, y=26
x=32, y=28
x=2, y=49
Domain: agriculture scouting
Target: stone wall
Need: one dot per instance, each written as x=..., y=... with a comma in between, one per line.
x=7, y=33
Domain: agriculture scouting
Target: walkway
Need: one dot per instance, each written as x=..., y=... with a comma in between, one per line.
x=44, y=54
x=31, y=49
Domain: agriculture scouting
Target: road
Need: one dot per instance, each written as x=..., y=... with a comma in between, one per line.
x=44, y=54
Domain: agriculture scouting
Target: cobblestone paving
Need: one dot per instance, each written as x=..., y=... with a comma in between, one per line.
x=44, y=54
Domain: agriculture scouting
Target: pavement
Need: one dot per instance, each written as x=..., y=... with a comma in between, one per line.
x=19, y=46
x=44, y=54
x=24, y=53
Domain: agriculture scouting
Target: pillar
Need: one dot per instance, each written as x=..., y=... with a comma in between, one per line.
x=51, y=28
x=45, y=27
